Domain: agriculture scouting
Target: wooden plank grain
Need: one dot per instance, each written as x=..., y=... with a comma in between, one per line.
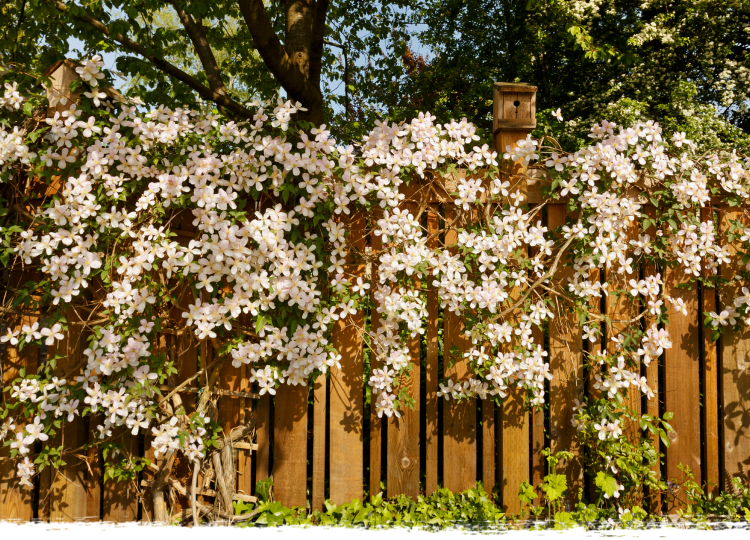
x=263, y=437
x=652, y=376
x=431, y=366
x=290, y=445
x=515, y=449
x=376, y=422
x=67, y=491
x=682, y=379
x=319, y=443
x=459, y=419
x=245, y=456
x=515, y=424
x=710, y=388
x=403, y=432
x=566, y=365
x=488, y=445
x=403, y=437
x=15, y=500
x=346, y=403
x=538, y=427
x=734, y=348
x=120, y=502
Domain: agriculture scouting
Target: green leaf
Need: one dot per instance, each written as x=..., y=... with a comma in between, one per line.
x=260, y=323
x=554, y=486
x=606, y=483
x=527, y=493
x=263, y=489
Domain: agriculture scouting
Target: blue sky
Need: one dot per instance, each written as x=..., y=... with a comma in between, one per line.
x=77, y=50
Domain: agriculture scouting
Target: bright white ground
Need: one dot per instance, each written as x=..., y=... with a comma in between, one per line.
x=101, y=531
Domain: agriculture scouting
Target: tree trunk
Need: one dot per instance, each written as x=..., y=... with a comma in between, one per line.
x=299, y=43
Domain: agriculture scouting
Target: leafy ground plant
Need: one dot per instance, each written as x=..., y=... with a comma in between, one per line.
x=475, y=509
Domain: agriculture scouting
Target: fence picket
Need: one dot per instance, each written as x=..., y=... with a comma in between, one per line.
x=346, y=437
x=734, y=349
x=432, y=375
x=652, y=375
x=403, y=432
x=319, y=443
x=459, y=419
x=376, y=423
x=682, y=379
x=621, y=307
x=290, y=444
x=15, y=500
x=67, y=488
x=710, y=388
x=120, y=502
x=566, y=362
x=263, y=437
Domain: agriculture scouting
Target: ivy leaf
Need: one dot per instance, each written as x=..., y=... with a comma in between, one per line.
x=264, y=488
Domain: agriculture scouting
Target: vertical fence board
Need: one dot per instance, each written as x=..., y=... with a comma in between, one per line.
x=376, y=423
x=710, y=388
x=290, y=445
x=620, y=308
x=537, y=432
x=681, y=377
x=94, y=487
x=346, y=437
x=488, y=445
x=263, y=437
x=735, y=350
x=515, y=449
x=459, y=419
x=228, y=414
x=514, y=456
x=403, y=437
x=67, y=495
x=245, y=457
x=566, y=363
x=16, y=500
x=319, y=444
x=120, y=502
x=431, y=377
x=182, y=352
x=403, y=432
x=652, y=376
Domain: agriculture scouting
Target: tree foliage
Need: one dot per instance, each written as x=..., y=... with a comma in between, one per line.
x=676, y=62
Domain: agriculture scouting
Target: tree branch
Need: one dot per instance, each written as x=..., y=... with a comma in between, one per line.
x=274, y=54
x=316, y=43
x=197, y=34
x=160, y=63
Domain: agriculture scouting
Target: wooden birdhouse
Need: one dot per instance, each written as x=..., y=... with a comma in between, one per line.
x=515, y=106
x=513, y=118
x=514, y=112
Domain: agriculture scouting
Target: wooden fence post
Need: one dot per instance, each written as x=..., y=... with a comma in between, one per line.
x=514, y=117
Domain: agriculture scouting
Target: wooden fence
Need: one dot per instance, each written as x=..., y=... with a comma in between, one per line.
x=321, y=442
